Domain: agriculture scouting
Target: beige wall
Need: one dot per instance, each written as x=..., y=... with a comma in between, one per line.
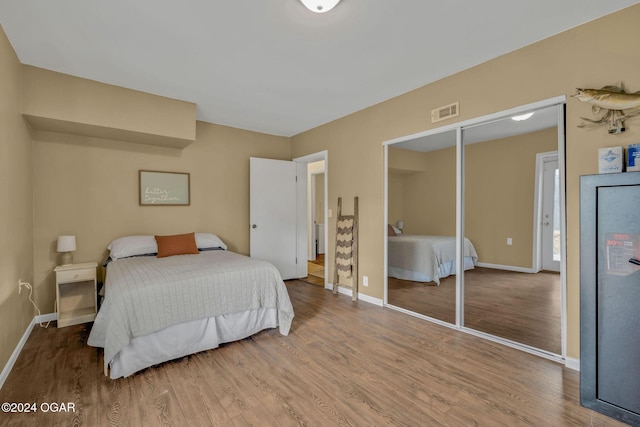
x=396, y=197
x=402, y=164
x=429, y=206
x=16, y=222
x=593, y=55
x=65, y=104
x=500, y=194
x=89, y=187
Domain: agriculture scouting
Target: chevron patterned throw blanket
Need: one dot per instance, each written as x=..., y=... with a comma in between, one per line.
x=344, y=248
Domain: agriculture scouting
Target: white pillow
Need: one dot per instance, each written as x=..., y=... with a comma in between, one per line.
x=209, y=240
x=132, y=245
x=142, y=245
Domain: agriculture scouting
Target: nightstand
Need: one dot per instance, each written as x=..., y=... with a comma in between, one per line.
x=76, y=293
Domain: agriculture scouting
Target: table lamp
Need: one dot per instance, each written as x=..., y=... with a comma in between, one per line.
x=66, y=245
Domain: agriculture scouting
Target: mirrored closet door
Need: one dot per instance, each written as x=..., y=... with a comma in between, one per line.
x=507, y=294
x=503, y=174
x=421, y=212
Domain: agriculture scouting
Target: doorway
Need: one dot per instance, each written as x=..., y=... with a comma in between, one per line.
x=317, y=213
x=550, y=221
x=317, y=219
x=315, y=205
x=280, y=215
x=547, y=253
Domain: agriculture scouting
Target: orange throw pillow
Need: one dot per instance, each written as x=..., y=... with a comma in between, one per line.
x=178, y=244
x=390, y=230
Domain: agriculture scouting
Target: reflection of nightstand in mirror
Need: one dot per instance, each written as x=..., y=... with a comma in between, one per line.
x=76, y=293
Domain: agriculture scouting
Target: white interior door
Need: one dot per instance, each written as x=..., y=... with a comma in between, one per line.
x=273, y=211
x=551, y=215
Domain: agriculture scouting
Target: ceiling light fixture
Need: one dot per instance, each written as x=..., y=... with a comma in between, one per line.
x=320, y=6
x=522, y=117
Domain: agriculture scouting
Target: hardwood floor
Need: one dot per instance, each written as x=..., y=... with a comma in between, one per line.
x=319, y=260
x=316, y=271
x=317, y=281
x=344, y=363
x=521, y=307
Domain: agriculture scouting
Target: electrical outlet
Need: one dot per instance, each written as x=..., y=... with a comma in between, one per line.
x=22, y=284
x=365, y=280
x=509, y=241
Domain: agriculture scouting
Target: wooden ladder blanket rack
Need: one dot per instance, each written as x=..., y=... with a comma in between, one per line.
x=346, y=250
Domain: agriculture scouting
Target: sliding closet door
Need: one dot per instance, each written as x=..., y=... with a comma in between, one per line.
x=505, y=295
x=481, y=184
x=422, y=201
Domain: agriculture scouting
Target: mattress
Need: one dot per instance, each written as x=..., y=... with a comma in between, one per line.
x=146, y=295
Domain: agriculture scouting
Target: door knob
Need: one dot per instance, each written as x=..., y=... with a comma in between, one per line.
x=254, y=226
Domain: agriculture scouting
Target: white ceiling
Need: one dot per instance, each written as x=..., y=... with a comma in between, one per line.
x=271, y=65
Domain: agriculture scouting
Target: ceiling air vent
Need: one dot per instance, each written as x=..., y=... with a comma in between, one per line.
x=446, y=112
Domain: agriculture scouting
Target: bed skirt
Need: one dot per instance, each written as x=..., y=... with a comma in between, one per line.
x=444, y=270
x=190, y=337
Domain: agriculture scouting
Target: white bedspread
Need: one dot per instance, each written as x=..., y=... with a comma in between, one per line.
x=146, y=294
x=425, y=254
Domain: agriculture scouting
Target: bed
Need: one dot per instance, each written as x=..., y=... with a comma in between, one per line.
x=157, y=309
x=426, y=258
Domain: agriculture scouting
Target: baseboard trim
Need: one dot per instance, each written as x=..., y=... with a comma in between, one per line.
x=16, y=352
x=506, y=267
x=370, y=299
x=572, y=363
x=50, y=317
x=361, y=296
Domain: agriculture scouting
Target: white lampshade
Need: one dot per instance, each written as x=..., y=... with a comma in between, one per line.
x=320, y=6
x=66, y=243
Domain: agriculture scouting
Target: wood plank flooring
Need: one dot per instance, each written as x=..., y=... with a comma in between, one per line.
x=316, y=271
x=344, y=363
x=521, y=307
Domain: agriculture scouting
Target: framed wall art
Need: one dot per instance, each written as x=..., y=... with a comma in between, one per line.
x=164, y=188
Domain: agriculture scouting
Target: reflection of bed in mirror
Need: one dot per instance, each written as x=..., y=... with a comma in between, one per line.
x=426, y=258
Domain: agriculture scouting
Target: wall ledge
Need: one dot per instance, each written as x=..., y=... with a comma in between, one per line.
x=66, y=104
x=47, y=124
